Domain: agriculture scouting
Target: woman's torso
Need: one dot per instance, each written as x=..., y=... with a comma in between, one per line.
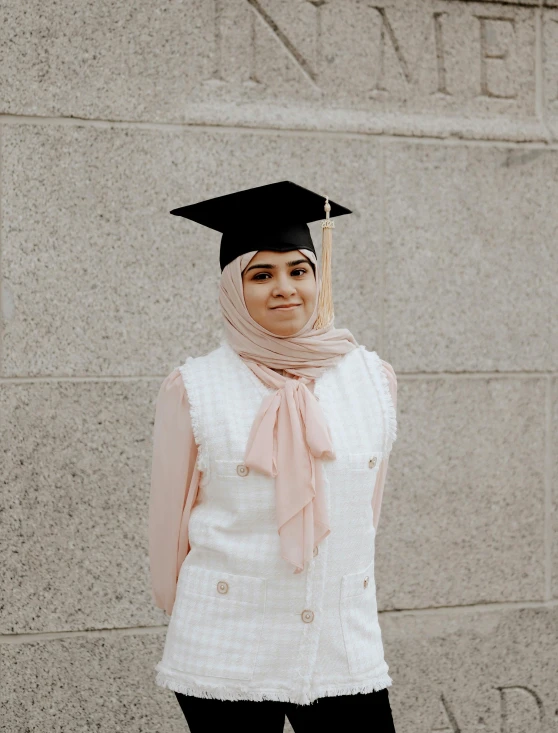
x=244, y=625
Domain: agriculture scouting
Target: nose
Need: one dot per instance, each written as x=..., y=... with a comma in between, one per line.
x=284, y=286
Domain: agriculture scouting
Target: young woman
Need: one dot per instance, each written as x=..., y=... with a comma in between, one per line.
x=269, y=461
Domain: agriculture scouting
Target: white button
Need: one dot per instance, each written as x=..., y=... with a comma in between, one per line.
x=315, y=551
x=242, y=470
x=307, y=616
x=366, y=580
x=372, y=462
x=222, y=586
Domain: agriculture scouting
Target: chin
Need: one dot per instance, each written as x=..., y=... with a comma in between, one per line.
x=285, y=327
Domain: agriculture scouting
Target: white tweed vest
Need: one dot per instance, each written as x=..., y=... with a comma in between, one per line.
x=244, y=625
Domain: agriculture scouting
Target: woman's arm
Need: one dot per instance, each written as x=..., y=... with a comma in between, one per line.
x=174, y=487
x=382, y=471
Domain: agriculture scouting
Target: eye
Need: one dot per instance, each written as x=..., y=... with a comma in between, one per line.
x=265, y=275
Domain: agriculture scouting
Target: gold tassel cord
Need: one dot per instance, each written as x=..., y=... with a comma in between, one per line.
x=325, y=297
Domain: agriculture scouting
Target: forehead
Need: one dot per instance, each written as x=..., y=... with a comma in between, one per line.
x=271, y=256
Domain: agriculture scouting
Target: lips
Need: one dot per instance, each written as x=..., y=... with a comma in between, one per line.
x=285, y=307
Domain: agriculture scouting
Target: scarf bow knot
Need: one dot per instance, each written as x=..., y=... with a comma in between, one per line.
x=290, y=431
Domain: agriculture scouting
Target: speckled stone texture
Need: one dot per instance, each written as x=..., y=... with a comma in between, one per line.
x=550, y=65
x=78, y=684
x=465, y=499
x=553, y=498
x=471, y=258
x=76, y=459
x=418, y=67
x=490, y=671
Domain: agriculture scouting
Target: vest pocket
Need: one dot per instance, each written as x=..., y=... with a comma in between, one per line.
x=230, y=469
x=216, y=623
x=359, y=620
x=369, y=462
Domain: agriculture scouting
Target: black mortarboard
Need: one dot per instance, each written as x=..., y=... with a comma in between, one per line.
x=273, y=217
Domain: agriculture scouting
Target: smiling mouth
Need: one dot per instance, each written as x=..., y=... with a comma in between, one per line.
x=286, y=307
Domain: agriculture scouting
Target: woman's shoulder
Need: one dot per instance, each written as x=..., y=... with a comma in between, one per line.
x=175, y=383
x=387, y=372
x=205, y=359
x=172, y=385
x=373, y=357
x=206, y=368
x=387, y=367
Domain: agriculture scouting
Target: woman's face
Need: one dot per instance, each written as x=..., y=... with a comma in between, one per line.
x=274, y=280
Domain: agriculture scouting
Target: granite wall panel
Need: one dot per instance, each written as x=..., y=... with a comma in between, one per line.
x=471, y=259
x=464, y=501
x=82, y=683
x=75, y=461
x=420, y=67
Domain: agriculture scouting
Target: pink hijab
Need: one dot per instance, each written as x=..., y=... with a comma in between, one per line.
x=290, y=430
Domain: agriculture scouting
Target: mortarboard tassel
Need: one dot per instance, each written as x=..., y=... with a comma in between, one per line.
x=325, y=297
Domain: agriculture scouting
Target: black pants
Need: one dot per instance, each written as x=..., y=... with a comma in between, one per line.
x=369, y=712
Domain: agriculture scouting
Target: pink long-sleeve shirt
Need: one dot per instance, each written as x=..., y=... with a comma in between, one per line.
x=175, y=481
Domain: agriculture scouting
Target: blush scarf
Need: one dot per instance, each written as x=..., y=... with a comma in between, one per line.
x=289, y=431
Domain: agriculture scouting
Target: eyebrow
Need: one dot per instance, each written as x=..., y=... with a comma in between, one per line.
x=271, y=267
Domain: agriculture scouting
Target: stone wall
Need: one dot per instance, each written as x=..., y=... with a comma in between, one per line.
x=436, y=121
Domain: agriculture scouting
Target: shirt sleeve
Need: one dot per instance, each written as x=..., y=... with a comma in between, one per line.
x=174, y=487
x=382, y=471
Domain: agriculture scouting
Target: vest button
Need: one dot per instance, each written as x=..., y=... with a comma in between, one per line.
x=222, y=587
x=366, y=581
x=372, y=462
x=307, y=616
x=242, y=470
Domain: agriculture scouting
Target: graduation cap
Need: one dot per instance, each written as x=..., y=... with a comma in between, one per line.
x=273, y=217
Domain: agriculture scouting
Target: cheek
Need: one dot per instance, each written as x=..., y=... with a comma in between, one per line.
x=309, y=291
x=254, y=297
